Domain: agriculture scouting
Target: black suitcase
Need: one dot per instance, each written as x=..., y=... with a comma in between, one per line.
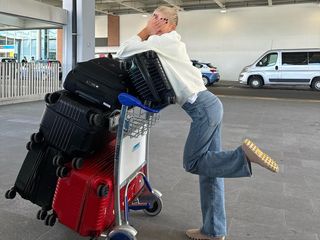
x=75, y=127
x=37, y=179
x=99, y=80
x=150, y=80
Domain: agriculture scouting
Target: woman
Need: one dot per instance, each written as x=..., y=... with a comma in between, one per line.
x=202, y=153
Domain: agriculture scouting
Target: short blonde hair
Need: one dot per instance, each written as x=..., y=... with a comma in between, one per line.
x=170, y=12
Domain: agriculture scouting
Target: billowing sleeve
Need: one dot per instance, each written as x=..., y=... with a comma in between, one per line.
x=133, y=46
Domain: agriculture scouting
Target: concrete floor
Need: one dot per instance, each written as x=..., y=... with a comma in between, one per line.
x=282, y=206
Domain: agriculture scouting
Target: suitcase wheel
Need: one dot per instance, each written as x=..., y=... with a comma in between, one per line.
x=62, y=172
x=37, y=137
x=11, y=194
x=97, y=120
x=77, y=163
x=50, y=220
x=58, y=160
x=46, y=97
x=156, y=206
x=102, y=190
x=52, y=98
x=30, y=146
x=41, y=215
x=121, y=235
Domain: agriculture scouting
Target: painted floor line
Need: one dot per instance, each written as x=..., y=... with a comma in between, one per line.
x=271, y=98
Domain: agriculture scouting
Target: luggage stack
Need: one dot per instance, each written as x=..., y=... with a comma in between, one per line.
x=73, y=127
x=70, y=165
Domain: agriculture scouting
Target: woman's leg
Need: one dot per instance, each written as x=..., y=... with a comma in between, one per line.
x=198, y=158
x=212, y=197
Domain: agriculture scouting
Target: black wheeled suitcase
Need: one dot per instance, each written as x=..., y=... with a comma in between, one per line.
x=99, y=80
x=73, y=126
x=150, y=80
x=37, y=179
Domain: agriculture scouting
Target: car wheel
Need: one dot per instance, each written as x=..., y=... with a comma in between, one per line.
x=256, y=82
x=205, y=80
x=315, y=85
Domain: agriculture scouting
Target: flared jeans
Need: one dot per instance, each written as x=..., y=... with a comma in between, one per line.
x=203, y=156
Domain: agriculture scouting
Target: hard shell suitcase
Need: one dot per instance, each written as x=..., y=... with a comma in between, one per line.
x=84, y=201
x=150, y=80
x=37, y=179
x=74, y=126
x=99, y=80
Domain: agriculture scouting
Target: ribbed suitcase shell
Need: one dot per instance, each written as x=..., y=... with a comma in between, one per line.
x=37, y=179
x=150, y=80
x=65, y=126
x=76, y=202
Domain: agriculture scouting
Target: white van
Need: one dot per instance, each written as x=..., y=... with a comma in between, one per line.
x=285, y=67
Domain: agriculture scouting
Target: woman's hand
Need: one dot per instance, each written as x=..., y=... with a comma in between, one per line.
x=154, y=26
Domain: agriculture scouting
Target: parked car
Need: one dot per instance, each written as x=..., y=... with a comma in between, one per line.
x=6, y=59
x=285, y=67
x=209, y=73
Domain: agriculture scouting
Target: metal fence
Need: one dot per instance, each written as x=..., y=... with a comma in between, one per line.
x=27, y=81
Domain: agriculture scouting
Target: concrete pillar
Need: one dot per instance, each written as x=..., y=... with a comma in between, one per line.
x=86, y=29
x=85, y=33
x=67, y=40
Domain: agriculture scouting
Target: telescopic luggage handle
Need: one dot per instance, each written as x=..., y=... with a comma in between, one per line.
x=131, y=101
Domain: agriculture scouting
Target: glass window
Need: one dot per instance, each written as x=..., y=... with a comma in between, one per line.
x=268, y=60
x=33, y=47
x=314, y=57
x=3, y=40
x=10, y=41
x=52, y=45
x=295, y=58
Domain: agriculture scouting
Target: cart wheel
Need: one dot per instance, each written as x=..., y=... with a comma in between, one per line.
x=37, y=137
x=77, y=163
x=58, y=160
x=156, y=207
x=102, y=190
x=11, y=194
x=50, y=220
x=121, y=235
x=62, y=172
x=42, y=214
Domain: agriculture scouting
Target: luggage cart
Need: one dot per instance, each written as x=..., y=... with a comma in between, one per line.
x=134, y=123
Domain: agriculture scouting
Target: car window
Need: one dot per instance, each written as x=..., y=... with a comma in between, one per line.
x=314, y=57
x=268, y=60
x=198, y=65
x=295, y=58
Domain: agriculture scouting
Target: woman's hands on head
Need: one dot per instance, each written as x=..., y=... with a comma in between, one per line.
x=156, y=25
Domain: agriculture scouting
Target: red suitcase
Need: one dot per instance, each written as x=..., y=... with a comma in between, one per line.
x=84, y=201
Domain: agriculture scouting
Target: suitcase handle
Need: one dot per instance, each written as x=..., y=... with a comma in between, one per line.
x=131, y=101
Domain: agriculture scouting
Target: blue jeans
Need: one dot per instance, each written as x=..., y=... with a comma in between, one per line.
x=203, y=156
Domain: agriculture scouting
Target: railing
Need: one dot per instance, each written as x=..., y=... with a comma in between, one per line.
x=27, y=81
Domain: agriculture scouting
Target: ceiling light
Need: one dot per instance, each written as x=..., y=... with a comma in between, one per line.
x=223, y=10
x=145, y=15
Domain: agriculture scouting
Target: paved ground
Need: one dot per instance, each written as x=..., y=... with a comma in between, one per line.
x=285, y=206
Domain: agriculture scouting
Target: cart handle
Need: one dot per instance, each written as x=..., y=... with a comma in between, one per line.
x=131, y=101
